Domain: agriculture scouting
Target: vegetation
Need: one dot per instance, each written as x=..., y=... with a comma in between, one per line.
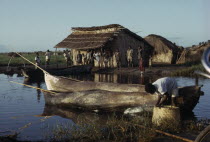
x=118, y=129
x=18, y=61
x=189, y=71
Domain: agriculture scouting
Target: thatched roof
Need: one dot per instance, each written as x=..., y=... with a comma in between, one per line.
x=93, y=37
x=161, y=44
x=97, y=27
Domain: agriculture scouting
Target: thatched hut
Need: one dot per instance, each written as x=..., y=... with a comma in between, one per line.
x=108, y=39
x=193, y=54
x=164, y=50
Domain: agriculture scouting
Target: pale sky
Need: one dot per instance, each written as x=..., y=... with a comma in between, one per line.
x=33, y=25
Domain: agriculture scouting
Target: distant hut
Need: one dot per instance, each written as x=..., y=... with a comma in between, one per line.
x=164, y=50
x=108, y=39
x=192, y=54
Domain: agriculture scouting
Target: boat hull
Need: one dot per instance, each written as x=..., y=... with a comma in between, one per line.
x=109, y=101
x=63, y=84
x=34, y=73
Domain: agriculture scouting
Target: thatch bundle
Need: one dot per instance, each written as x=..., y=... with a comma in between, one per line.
x=193, y=54
x=164, y=50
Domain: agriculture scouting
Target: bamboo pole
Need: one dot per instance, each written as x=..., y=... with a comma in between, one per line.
x=167, y=134
x=56, y=56
x=34, y=87
x=32, y=63
x=42, y=68
x=201, y=73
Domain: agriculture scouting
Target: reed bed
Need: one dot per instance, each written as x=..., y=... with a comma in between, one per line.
x=189, y=71
x=120, y=129
x=16, y=61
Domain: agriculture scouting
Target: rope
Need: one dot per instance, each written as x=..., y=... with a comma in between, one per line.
x=34, y=87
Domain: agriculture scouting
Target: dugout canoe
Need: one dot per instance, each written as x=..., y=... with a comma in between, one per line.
x=32, y=73
x=64, y=84
x=115, y=101
x=37, y=73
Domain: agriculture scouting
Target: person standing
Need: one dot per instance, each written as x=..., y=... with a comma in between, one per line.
x=150, y=61
x=47, y=57
x=84, y=59
x=165, y=88
x=79, y=58
x=67, y=57
x=106, y=59
x=117, y=57
x=37, y=60
x=88, y=57
x=130, y=57
x=141, y=61
x=97, y=57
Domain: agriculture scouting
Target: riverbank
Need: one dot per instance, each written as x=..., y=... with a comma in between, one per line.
x=158, y=70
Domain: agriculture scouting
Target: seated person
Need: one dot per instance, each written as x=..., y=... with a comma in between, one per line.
x=165, y=88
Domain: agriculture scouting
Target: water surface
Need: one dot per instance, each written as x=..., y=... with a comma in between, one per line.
x=23, y=109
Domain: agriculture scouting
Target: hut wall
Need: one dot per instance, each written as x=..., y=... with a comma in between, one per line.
x=193, y=56
x=106, y=78
x=74, y=55
x=122, y=42
x=163, y=57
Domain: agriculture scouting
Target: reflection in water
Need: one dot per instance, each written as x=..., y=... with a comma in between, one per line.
x=27, y=107
x=38, y=82
x=116, y=78
x=196, y=80
x=77, y=116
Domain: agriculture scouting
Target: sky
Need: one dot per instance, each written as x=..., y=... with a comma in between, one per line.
x=38, y=25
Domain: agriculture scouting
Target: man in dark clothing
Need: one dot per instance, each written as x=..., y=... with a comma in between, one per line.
x=79, y=58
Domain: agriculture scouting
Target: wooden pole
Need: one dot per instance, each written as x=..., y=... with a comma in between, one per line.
x=167, y=134
x=40, y=67
x=33, y=87
x=201, y=73
x=56, y=57
x=32, y=63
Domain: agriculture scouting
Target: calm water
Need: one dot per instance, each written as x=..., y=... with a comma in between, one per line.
x=23, y=109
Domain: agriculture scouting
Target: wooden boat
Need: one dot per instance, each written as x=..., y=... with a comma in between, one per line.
x=115, y=101
x=64, y=84
x=32, y=73
x=37, y=73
